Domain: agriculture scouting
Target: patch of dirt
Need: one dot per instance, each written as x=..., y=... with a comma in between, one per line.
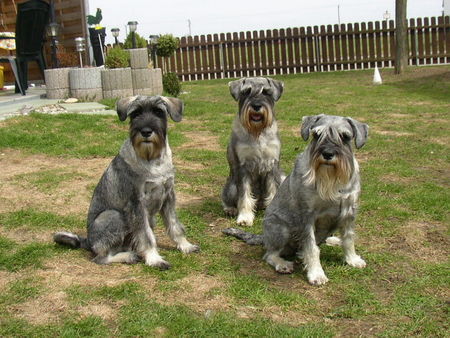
x=201, y=140
x=42, y=310
x=422, y=241
x=391, y=133
x=197, y=292
x=27, y=236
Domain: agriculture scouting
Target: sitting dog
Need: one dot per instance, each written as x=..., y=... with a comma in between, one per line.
x=253, y=152
x=317, y=199
x=138, y=184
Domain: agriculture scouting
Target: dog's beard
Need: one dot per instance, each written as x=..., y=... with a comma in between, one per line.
x=256, y=121
x=328, y=176
x=148, y=148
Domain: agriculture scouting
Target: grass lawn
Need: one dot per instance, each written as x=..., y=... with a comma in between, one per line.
x=50, y=165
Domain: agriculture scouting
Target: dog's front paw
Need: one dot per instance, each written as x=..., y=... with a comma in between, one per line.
x=230, y=211
x=245, y=219
x=162, y=265
x=317, y=277
x=188, y=248
x=286, y=267
x=155, y=260
x=356, y=261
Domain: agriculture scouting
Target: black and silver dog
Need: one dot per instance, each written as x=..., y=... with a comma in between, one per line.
x=254, y=150
x=138, y=184
x=317, y=199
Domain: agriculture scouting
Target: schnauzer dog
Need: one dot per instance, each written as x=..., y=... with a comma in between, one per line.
x=254, y=150
x=137, y=185
x=317, y=199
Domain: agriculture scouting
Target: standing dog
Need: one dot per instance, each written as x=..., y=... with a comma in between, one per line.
x=138, y=184
x=318, y=198
x=254, y=150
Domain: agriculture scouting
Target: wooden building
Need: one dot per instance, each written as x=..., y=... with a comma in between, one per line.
x=70, y=15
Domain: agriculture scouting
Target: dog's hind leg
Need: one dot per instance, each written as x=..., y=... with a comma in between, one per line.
x=174, y=227
x=229, y=198
x=106, y=236
x=280, y=264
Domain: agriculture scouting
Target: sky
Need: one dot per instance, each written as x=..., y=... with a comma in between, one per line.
x=181, y=17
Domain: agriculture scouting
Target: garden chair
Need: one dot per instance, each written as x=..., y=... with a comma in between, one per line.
x=32, y=19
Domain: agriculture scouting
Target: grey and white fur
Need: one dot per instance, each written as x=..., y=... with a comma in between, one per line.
x=253, y=152
x=136, y=186
x=316, y=200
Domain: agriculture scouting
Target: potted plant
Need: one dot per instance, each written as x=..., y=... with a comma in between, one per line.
x=97, y=35
x=116, y=77
x=166, y=46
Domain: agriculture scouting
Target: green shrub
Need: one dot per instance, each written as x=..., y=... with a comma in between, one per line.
x=117, y=58
x=166, y=46
x=171, y=84
x=140, y=41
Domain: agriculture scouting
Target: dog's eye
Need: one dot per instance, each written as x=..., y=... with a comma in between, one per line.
x=246, y=92
x=266, y=92
x=346, y=138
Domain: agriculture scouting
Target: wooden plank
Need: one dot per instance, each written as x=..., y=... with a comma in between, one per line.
x=257, y=53
x=427, y=41
x=378, y=48
x=331, y=48
x=420, y=42
x=224, y=55
x=243, y=54
x=297, y=50
x=270, y=57
x=447, y=37
x=191, y=59
x=434, y=41
x=179, y=62
x=282, y=43
x=371, y=42
x=236, y=56
x=338, y=48
x=289, y=51
x=344, y=42
x=412, y=33
x=365, y=46
x=310, y=46
x=204, y=57
x=323, y=40
x=250, y=54
x=441, y=39
x=276, y=52
x=263, y=48
x=185, y=58
x=351, y=46
x=217, y=51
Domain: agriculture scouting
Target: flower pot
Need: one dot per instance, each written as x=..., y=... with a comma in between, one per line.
x=117, y=83
x=147, y=81
x=86, y=83
x=57, y=83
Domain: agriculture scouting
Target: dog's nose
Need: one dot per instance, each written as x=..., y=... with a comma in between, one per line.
x=327, y=155
x=146, y=132
x=256, y=107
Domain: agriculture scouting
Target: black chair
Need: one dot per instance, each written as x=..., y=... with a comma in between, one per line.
x=31, y=22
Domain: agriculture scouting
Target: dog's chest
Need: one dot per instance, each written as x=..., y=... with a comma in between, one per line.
x=262, y=153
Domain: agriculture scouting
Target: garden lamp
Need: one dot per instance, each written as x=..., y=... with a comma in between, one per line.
x=53, y=31
x=115, y=33
x=153, y=40
x=133, y=25
x=80, y=45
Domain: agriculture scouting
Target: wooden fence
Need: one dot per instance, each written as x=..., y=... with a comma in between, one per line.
x=310, y=49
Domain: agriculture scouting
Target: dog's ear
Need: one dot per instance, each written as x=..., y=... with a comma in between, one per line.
x=236, y=87
x=175, y=107
x=307, y=123
x=360, y=132
x=277, y=88
x=123, y=107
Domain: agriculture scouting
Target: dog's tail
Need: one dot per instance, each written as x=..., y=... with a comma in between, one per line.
x=71, y=240
x=247, y=237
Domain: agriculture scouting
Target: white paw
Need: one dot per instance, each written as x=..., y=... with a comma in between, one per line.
x=187, y=248
x=155, y=260
x=356, y=261
x=287, y=267
x=317, y=277
x=333, y=241
x=245, y=219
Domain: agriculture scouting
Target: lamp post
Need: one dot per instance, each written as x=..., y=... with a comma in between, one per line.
x=153, y=41
x=386, y=16
x=133, y=25
x=80, y=45
x=115, y=33
x=53, y=32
